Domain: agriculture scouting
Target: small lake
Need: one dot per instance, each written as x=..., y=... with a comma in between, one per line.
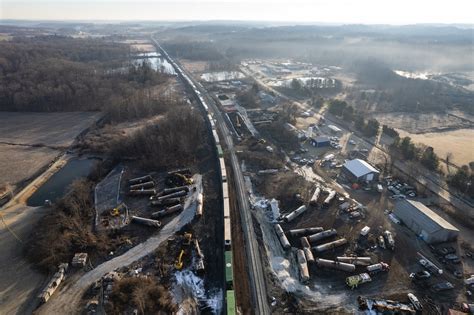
x=156, y=61
x=56, y=186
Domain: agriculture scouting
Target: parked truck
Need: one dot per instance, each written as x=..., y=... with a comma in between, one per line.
x=389, y=241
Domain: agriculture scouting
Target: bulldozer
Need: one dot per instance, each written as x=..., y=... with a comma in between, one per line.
x=178, y=264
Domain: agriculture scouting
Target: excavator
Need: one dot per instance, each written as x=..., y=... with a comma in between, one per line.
x=178, y=264
x=188, y=237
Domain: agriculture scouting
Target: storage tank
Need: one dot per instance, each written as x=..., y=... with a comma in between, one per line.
x=281, y=235
x=138, y=180
x=167, y=211
x=302, y=265
x=143, y=192
x=360, y=261
x=166, y=202
x=314, y=198
x=309, y=254
x=145, y=221
x=307, y=231
x=304, y=242
x=167, y=191
x=335, y=265
x=322, y=235
x=378, y=267
x=330, y=245
x=180, y=193
x=292, y=215
x=329, y=198
x=200, y=205
x=142, y=185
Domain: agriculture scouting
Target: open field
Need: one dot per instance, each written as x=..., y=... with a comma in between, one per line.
x=19, y=282
x=459, y=142
x=30, y=141
x=18, y=163
x=48, y=129
x=194, y=66
x=421, y=123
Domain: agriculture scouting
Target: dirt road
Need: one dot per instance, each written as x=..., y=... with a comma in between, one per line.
x=67, y=300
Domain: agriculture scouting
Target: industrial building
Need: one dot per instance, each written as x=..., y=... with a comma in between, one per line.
x=319, y=142
x=424, y=222
x=359, y=171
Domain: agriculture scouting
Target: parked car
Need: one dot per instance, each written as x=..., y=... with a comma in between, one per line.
x=423, y=274
x=443, y=286
x=451, y=257
x=398, y=197
x=352, y=142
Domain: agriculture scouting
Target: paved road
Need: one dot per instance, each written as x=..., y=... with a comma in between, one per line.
x=255, y=267
x=67, y=300
x=429, y=180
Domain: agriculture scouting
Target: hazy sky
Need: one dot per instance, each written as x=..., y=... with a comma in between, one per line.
x=326, y=11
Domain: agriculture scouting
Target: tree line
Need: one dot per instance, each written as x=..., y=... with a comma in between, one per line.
x=55, y=73
x=345, y=111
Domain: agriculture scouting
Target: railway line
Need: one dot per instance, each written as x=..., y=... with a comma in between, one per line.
x=218, y=123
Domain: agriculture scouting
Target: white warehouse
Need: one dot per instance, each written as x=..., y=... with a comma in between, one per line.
x=425, y=222
x=359, y=171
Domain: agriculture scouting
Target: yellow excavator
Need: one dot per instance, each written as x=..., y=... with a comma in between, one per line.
x=178, y=264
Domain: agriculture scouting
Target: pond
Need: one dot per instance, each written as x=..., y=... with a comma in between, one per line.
x=156, y=61
x=56, y=186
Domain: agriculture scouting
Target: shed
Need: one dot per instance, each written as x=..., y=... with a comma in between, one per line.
x=320, y=142
x=425, y=222
x=358, y=170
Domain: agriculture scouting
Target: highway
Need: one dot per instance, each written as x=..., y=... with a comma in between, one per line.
x=255, y=267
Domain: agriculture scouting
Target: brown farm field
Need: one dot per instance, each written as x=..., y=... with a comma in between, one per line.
x=30, y=141
x=48, y=129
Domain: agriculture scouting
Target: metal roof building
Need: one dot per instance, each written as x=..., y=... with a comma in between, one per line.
x=359, y=171
x=320, y=141
x=425, y=222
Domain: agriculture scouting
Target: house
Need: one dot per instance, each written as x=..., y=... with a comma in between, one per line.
x=320, y=141
x=425, y=222
x=359, y=171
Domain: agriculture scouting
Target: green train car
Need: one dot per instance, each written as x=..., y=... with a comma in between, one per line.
x=229, y=271
x=219, y=151
x=230, y=301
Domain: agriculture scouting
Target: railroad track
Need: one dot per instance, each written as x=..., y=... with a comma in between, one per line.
x=255, y=267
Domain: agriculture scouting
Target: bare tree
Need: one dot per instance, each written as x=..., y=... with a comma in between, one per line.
x=449, y=157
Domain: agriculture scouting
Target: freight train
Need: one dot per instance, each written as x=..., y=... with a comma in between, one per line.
x=229, y=272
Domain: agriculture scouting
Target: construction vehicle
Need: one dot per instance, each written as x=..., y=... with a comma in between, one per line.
x=115, y=212
x=179, y=262
x=178, y=179
x=188, y=237
x=354, y=281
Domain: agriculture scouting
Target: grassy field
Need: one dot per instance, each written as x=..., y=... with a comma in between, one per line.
x=458, y=142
